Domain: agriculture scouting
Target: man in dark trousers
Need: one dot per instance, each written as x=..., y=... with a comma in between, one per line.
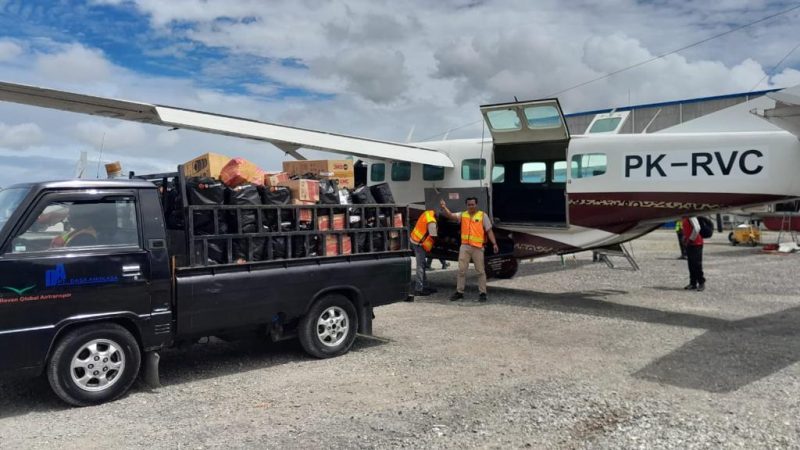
x=694, y=253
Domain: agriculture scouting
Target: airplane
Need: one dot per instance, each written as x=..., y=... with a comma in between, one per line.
x=548, y=192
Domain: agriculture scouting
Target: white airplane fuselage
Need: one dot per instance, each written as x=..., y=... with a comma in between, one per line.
x=646, y=180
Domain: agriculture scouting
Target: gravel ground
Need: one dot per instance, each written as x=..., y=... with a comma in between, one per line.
x=581, y=358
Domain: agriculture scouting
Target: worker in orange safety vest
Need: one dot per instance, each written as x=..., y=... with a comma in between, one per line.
x=422, y=239
x=475, y=228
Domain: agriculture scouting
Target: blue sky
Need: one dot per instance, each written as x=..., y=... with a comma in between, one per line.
x=370, y=68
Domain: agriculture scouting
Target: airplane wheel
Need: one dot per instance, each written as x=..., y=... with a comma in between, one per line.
x=508, y=271
x=732, y=239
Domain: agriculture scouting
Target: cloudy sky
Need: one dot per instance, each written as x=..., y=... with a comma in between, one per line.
x=369, y=68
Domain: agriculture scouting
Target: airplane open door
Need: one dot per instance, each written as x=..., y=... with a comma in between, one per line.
x=526, y=122
x=529, y=169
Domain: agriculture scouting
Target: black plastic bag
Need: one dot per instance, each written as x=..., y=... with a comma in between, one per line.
x=244, y=195
x=383, y=193
x=345, y=197
x=276, y=196
x=173, y=207
x=203, y=191
x=329, y=192
x=363, y=196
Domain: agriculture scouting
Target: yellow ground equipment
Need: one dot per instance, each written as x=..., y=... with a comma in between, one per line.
x=745, y=234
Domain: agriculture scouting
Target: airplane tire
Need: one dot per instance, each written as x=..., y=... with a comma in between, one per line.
x=507, y=272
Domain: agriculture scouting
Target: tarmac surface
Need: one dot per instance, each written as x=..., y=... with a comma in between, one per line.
x=565, y=355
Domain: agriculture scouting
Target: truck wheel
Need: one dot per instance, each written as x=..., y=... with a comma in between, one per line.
x=329, y=328
x=94, y=364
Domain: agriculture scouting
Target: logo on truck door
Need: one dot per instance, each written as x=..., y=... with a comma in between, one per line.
x=679, y=165
x=57, y=276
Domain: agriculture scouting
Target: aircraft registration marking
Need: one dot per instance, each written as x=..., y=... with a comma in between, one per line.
x=679, y=165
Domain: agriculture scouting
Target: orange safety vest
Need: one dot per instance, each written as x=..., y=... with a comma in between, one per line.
x=472, y=232
x=64, y=239
x=420, y=235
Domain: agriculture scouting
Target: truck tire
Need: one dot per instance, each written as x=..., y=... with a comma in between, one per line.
x=329, y=329
x=94, y=364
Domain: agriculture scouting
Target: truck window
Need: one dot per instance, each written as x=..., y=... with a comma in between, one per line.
x=110, y=222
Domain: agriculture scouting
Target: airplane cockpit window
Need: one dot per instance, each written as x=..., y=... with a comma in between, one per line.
x=588, y=165
x=504, y=120
x=534, y=172
x=473, y=169
x=605, y=125
x=401, y=171
x=498, y=173
x=543, y=116
x=377, y=173
x=560, y=171
x=432, y=173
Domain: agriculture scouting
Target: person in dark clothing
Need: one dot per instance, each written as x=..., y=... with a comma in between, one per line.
x=694, y=253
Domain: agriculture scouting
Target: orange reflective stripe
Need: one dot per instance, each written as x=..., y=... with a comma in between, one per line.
x=472, y=232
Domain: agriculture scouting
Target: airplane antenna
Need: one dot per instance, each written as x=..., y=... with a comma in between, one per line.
x=100, y=159
x=515, y=99
x=410, y=133
x=775, y=67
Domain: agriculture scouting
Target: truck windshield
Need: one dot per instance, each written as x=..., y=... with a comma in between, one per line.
x=9, y=200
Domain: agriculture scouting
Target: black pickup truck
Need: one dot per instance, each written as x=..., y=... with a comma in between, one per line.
x=94, y=280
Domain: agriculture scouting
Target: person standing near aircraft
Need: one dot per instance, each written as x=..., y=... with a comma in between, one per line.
x=422, y=238
x=475, y=227
x=679, y=233
x=693, y=241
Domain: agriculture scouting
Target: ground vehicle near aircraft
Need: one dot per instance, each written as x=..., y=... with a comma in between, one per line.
x=86, y=299
x=548, y=192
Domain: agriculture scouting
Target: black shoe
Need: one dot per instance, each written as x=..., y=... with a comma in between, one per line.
x=482, y=298
x=422, y=293
x=456, y=296
x=701, y=287
x=431, y=290
x=690, y=287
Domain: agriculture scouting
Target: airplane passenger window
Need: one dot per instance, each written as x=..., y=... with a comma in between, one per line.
x=473, y=169
x=542, y=117
x=588, y=165
x=401, y=171
x=503, y=120
x=560, y=171
x=432, y=173
x=378, y=172
x=605, y=125
x=534, y=172
x=498, y=173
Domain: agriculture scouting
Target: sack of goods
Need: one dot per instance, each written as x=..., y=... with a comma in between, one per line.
x=383, y=193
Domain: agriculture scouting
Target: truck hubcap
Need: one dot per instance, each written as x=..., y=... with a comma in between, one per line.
x=332, y=326
x=97, y=365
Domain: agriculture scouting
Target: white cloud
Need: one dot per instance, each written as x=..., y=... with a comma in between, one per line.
x=20, y=136
x=111, y=136
x=75, y=63
x=9, y=50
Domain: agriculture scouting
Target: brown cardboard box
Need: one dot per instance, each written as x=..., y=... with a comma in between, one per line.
x=323, y=223
x=240, y=171
x=347, y=245
x=336, y=169
x=208, y=165
x=303, y=215
x=275, y=178
x=398, y=220
x=304, y=190
x=331, y=245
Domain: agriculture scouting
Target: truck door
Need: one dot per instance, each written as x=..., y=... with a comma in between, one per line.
x=529, y=171
x=74, y=254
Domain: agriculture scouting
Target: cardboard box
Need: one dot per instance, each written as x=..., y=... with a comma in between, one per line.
x=275, y=178
x=347, y=245
x=323, y=223
x=303, y=215
x=336, y=169
x=240, y=171
x=398, y=220
x=303, y=190
x=331, y=245
x=207, y=165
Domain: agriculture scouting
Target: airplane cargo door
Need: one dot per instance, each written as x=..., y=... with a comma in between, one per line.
x=529, y=173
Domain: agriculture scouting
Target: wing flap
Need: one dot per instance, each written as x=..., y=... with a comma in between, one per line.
x=786, y=113
x=283, y=137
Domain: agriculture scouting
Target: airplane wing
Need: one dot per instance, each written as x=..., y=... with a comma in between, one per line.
x=288, y=139
x=786, y=113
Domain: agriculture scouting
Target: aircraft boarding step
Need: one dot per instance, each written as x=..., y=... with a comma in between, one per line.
x=616, y=251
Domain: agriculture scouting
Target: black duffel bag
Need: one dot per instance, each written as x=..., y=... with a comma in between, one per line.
x=329, y=192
